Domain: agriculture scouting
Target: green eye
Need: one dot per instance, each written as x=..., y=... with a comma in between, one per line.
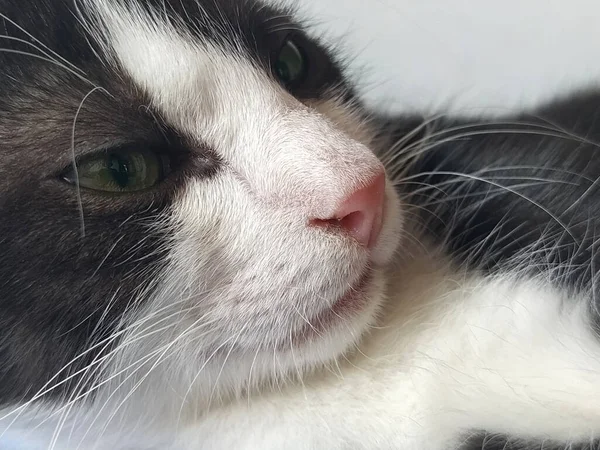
x=119, y=171
x=290, y=65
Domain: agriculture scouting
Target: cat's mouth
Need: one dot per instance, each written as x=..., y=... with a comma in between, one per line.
x=350, y=304
x=354, y=299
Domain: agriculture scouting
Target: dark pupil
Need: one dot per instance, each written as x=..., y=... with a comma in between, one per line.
x=283, y=71
x=119, y=170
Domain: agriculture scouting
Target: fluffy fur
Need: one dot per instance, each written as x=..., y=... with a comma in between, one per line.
x=201, y=314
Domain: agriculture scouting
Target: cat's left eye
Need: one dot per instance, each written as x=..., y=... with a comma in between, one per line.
x=290, y=64
x=122, y=170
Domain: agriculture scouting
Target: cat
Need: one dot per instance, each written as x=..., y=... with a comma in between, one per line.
x=209, y=242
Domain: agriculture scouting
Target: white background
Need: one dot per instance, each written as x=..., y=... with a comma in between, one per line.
x=464, y=55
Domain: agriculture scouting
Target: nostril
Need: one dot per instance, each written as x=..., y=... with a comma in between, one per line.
x=353, y=222
x=360, y=213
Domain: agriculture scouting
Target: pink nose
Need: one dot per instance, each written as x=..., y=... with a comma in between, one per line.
x=360, y=214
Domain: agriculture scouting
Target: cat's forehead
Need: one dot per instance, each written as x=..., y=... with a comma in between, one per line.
x=169, y=33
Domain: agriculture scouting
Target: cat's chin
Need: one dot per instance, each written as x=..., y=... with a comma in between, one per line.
x=349, y=307
x=339, y=328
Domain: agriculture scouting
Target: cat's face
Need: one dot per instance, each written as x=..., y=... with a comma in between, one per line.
x=196, y=246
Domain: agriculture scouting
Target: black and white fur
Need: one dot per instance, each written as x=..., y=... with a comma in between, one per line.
x=189, y=316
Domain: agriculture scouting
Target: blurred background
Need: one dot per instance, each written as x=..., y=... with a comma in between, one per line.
x=468, y=56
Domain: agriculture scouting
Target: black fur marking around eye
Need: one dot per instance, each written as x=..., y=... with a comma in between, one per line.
x=61, y=291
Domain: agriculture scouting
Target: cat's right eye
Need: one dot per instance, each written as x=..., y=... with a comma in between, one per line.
x=119, y=171
x=290, y=65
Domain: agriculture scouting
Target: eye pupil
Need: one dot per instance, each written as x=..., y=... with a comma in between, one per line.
x=127, y=169
x=119, y=170
x=282, y=71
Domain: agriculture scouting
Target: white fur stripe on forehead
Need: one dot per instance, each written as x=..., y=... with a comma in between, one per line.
x=175, y=68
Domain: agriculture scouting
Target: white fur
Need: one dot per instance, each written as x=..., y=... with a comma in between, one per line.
x=450, y=352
